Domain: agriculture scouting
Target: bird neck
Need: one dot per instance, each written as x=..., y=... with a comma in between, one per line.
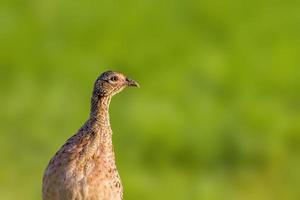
x=99, y=117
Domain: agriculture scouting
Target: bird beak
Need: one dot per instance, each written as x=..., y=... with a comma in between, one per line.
x=132, y=83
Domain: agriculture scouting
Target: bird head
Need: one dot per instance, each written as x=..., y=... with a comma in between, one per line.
x=110, y=83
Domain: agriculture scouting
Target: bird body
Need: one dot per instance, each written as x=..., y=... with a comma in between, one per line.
x=84, y=168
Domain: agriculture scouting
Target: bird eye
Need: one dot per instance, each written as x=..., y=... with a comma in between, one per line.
x=114, y=78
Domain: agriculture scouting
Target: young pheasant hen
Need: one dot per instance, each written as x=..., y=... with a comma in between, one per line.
x=84, y=167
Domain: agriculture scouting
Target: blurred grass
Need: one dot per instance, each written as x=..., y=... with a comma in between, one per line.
x=217, y=116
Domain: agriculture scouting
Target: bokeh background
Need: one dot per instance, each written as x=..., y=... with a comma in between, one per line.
x=217, y=116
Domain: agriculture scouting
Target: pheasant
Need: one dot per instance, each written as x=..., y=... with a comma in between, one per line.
x=84, y=167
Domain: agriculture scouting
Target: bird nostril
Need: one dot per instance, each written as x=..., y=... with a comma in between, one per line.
x=132, y=83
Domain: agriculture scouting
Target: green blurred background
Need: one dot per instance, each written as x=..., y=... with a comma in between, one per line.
x=217, y=115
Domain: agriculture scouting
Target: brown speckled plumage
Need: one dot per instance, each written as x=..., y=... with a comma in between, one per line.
x=84, y=167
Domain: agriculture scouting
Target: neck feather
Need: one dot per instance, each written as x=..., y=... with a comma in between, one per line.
x=99, y=117
x=100, y=109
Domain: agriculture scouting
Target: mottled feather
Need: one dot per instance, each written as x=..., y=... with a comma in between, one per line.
x=84, y=167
